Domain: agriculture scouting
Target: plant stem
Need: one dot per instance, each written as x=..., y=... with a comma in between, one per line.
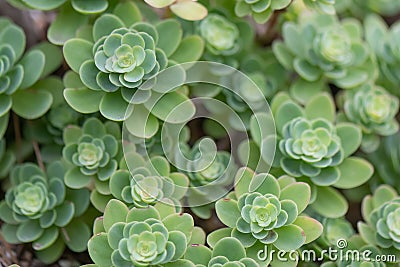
x=38, y=155
x=17, y=132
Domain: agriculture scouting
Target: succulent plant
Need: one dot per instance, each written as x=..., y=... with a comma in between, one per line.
x=388, y=171
x=19, y=74
x=381, y=213
x=263, y=120
x=39, y=209
x=374, y=110
x=386, y=50
x=323, y=6
x=141, y=182
x=139, y=237
x=267, y=211
x=209, y=172
x=310, y=147
x=260, y=10
x=186, y=9
x=328, y=49
x=117, y=60
x=93, y=152
x=227, y=252
x=221, y=36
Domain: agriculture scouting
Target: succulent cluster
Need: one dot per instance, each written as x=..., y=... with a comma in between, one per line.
x=221, y=35
x=139, y=237
x=116, y=64
x=322, y=47
x=209, y=173
x=381, y=214
x=93, y=152
x=374, y=110
x=199, y=133
x=39, y=209
x=142, y=183
x=20, y=74
x=311, y=147
x=227, y=251
x=266, y=210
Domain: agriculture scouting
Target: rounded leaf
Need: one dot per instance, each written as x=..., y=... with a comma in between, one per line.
x=354, y=172
x=350, y=137
x=83, y=100
x=190, y=49
x=99, y=250
x=311, y=227
x=141, y=123
x=228, y=212
x=65, y=25
x=290, y=237
x=31, y=104
x=230, y=248
x=90, y=7
x=115, y=211
x=330, y=203
x=189, y=10
x=300, y=193
x=321, y=106
x=76, y=52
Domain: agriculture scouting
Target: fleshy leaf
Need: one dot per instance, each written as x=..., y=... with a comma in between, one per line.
x=350, y=137
x=76, y=236
x=90, y=7
x=115, y=211
x=190, y=49
x=330, y=203
x=76, y=52
x=65, y=25
x=230, y=248
x=31, y=104
x=83, y=100
x=172, y=108
x=141, y=123
x=33, y=63
x=300, y=193
x=290, y=237
x=99, y=250
x=354, y=172
x=321, y=106
x=311, y=227
x=198, y=254
x=170, y=35
x=218, y=234
x=189, y=10
x=228, y=212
